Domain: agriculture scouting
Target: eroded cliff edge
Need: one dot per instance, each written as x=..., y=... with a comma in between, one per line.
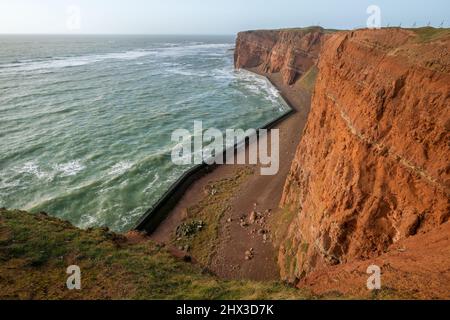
x=372, y=167
x=290, y=52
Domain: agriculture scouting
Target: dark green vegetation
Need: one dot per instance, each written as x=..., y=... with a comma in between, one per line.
x=35, y=251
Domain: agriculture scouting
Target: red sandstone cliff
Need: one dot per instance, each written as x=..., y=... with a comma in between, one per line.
x=292, y=52
x=372, y=168
x=373, y=165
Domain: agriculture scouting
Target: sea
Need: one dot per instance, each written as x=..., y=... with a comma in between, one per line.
x=86, y=121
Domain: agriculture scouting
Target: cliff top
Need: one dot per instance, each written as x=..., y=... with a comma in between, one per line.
x=426, y=34
x=303, y=30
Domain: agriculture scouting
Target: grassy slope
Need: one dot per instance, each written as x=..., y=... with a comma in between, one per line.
x=427, y=34
x=35, y=251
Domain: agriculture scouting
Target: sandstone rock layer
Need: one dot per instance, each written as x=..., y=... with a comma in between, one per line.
x=373, y=164
x=292, y=52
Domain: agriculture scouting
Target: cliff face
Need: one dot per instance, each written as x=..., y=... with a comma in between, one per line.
x=373, y=165
x=292, y=52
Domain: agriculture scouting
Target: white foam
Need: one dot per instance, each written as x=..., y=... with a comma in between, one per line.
x=195, y=49
x=88, y=221
x=130, y=217
x=260, y=86
x=151, y=184
x=224, y=74
x=186, y=73
x=211, y=46
x=8, y=184
x=64, y=62
x=69, y=169
x=120, y=168
x=33, y=168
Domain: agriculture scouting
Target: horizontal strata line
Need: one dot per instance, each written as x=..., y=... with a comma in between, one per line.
x=369, y=45
x=270, y=50
x=407, y=164
x=273, y=51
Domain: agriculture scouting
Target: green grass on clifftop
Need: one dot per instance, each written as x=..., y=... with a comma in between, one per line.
x=35, y=251
x=427, y=34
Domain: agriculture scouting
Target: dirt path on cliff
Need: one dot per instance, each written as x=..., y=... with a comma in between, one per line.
x=236, y=234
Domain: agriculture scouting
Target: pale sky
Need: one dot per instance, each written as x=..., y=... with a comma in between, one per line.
x=207, y=16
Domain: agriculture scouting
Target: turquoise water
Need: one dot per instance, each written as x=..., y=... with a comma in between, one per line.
x=86, y=121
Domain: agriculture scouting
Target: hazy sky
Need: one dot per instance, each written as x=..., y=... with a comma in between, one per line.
x=207, y=16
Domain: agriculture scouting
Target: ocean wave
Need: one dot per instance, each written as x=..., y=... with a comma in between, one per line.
x=33, y=168
x=70, y=168
x=120, y=168
x=227, y=73
x=185, y=72
x=260, y=86
x=128, y=218
x=8, y=184
x=88, y=221
x=67, y=193
x=211, y=46
x=65, y=62
x=218, y=74
x=152, y=183
x=195, y=97
x=204, y=49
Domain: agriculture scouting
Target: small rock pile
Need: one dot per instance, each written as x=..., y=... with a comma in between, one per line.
x=258, y=221
x=249, y=254
x=209, y=190
x=188, y=229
